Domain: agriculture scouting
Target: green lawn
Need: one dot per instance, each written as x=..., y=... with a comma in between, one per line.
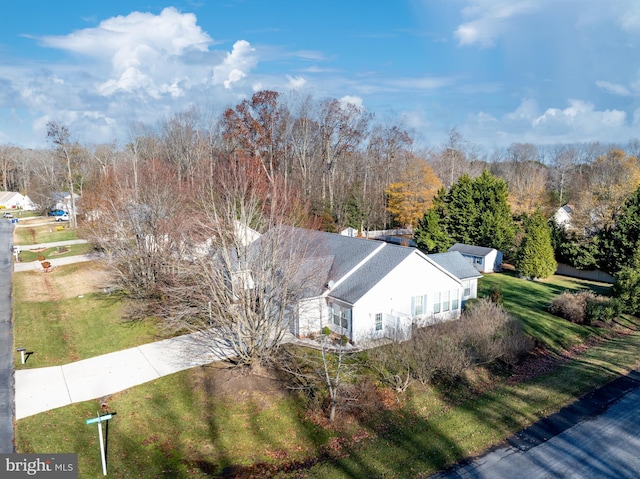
x=66, y=328
x=529, y=300
x=57, y=252
x=182, y=426
x=43, y=234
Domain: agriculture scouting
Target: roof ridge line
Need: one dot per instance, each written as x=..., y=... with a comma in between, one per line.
x=358, y=266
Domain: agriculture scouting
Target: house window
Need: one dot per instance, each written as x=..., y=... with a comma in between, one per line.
x=436, y=303
x=378, y=321
x=418, y=304
x=335, y=316
x=467, y=289
x=445, y=301
x=454, y=298
x=344, y=319
x=477, y=260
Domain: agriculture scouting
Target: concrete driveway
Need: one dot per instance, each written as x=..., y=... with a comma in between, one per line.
x=42, y=389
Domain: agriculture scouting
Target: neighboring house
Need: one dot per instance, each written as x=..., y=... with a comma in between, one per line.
x=455, y=263
x=562, y=216
x=349, y=231
x=485, y=260
x=11, y=200
x=368, y=290
x=62, y=201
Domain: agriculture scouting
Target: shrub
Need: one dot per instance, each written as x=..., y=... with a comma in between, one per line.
x=41, y=257
x=496, y=295
x=442, y=352
x=326, y=331
x=572, y=306
x=585, y=307
x=601, y=309
x=492, y=334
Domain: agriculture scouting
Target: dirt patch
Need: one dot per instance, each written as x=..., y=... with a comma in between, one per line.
x=59, y=283
x=237, y=383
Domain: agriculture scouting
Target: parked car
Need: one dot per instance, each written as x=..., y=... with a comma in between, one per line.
x=57, y=212
x=6, y=214
x=64, y=217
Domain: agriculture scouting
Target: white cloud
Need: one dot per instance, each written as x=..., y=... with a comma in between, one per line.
x=353, y=100
x=236, y=64
x=488, y=19
x=613, y=88
x=144, y=50
x=126, y=38
x=527, y=110
x=580, y=114
x=295, y=83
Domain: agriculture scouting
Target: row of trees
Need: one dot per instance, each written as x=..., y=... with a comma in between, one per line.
x=350, y=168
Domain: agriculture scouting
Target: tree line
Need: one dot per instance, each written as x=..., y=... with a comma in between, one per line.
x=349, y=168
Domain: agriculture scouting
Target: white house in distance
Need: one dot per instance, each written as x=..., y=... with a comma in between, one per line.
x=485, y=260
x=12, y=200
x=369, y=290
x=62, y=201
x=562, y=216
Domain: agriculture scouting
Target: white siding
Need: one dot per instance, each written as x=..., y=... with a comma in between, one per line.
x=312, y=316
x=415, y=276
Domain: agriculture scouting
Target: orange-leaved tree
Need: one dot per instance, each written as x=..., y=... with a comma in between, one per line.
x=411, y=196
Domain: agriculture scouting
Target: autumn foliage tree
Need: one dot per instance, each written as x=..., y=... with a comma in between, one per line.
x=411, y=196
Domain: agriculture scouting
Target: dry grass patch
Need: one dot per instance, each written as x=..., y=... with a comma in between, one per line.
x=62, y=282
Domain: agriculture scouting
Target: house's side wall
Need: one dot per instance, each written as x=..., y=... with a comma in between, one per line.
x=15, y=201
x=497, y=266
x=488, y=262
x=312, y=316
x=473, y=289
x=414, y=277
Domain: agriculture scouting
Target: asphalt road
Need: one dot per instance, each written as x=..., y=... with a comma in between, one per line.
x=595, y=438
x=6, y=340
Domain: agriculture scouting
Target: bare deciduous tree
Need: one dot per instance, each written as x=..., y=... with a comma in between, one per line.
x=239, y=289
x=59, y=135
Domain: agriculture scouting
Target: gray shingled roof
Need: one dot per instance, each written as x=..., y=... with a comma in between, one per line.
x=470, y=249
x=455, y=263
x=371, y=273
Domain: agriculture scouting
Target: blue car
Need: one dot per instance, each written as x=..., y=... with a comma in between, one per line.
x=57, y=213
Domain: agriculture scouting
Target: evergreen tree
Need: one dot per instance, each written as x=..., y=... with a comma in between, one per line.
x=534, y=258
x=494, y=222
x=430, y=235
x=460, y=211
x=627, y=285
x=617, y=243
x=473, y=212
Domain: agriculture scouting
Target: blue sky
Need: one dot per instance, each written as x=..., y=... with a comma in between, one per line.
x=500, y=71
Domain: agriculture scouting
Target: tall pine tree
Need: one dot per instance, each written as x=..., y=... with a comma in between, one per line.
x=535, y=258
x=473, y=211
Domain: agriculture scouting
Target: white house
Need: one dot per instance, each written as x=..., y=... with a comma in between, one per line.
x=62, y=201
x=455, y=263
x=562, y=216
x=485, y=260
x=12, y=200
x=368, y=290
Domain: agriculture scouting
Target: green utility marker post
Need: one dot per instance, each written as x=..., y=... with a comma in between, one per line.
x=100, y=419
